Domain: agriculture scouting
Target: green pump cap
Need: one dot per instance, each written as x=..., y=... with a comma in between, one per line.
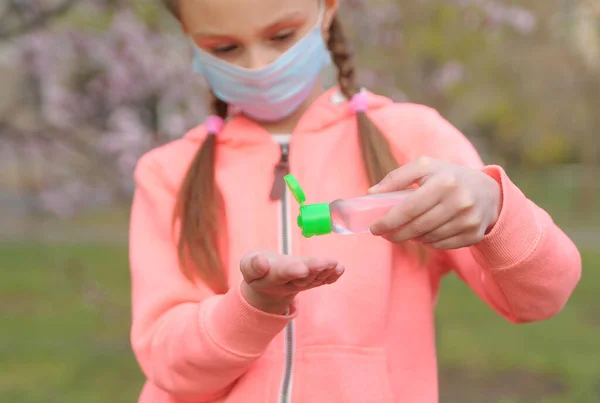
x=314, y=219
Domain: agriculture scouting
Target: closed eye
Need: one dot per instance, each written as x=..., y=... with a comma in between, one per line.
x=223, y=49
x=283, y=36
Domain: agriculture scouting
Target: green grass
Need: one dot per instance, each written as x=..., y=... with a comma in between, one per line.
x=67, y=314
x=66, y=309
x=557, y=190
x=564, y=348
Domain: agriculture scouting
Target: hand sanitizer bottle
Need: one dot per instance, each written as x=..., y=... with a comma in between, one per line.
x=343, y=216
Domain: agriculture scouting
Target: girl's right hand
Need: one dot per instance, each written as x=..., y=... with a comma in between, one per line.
x=271, y=280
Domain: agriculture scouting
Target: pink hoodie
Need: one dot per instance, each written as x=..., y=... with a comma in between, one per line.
x=367, y=338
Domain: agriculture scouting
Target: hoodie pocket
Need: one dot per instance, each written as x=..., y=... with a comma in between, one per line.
x=328, y=374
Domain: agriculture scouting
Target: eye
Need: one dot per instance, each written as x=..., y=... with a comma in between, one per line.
x=223, y=49
x=283, y=36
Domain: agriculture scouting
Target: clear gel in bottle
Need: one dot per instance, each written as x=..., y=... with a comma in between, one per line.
x=355, y=215
x=343, y=216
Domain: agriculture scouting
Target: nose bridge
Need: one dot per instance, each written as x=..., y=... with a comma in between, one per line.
x=257, y=56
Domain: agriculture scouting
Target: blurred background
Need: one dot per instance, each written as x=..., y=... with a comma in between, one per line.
x=87, y=86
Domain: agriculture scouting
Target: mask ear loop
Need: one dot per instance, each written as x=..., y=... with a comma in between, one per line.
x=213, y=124
x=321, y=17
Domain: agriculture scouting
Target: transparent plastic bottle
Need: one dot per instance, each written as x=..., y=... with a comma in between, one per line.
x=343, y=216
x=355, y=215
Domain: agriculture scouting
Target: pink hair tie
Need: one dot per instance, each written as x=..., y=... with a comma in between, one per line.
x=213, y=124
x=358, y=103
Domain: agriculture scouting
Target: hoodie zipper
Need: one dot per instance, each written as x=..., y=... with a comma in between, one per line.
x=279, y=192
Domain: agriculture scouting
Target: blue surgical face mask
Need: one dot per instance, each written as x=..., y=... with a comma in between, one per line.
x=275, y=91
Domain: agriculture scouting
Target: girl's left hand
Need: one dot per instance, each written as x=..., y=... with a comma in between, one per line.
x=454, y=206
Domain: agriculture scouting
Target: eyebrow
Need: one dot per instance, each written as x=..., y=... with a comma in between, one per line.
x=294, y=15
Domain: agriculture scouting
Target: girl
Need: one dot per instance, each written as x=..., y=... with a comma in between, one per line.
x=224, y=312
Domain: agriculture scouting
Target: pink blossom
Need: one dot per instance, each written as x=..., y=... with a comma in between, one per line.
x=448, y=75
x=522, y=20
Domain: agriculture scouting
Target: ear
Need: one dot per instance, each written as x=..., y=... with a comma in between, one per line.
x=331, y=8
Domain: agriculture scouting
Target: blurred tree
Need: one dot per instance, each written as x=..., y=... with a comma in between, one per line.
x=19, y=17
x=96, y=100
x=492, y=67
x=583, y=22
x=519, y=78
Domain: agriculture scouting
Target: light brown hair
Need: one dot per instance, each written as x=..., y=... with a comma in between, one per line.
x=199, y=204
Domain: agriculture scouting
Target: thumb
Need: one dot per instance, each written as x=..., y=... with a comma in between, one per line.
x=405, y=176
x=254, y=266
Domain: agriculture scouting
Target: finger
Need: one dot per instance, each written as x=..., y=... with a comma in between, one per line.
x=403, y=177
x=290, y=270
x=333, y=277
x=469, y=223
x=328, y=276
x=422, y=225
x=319, y=264
x=459, y=241
x=254, y=266
x=464, y=223
x=320, y=278
x=318, y=268
x=416, y=204
x=304, y=282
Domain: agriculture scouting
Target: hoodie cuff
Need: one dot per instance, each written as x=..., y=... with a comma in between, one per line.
x=241, y=329
x=516, y=233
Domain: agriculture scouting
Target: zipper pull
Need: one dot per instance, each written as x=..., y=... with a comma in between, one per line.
x=281, y=169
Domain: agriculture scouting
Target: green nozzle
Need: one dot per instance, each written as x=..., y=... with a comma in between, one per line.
x=314, y=219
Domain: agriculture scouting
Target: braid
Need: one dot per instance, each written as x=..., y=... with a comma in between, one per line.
x=375, y=150
x=376, y=153
x=199, y=209
x=342, y=58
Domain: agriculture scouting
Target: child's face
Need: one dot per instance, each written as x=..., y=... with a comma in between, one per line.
x=251, y=33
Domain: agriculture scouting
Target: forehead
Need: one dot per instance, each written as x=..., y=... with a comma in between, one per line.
x=237, y=16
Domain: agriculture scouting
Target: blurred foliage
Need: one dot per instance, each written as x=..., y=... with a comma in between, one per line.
x=507, y=73
x=519, y=78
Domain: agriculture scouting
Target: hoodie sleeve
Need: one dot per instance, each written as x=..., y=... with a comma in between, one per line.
x=188, y=342
x=525, y=268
